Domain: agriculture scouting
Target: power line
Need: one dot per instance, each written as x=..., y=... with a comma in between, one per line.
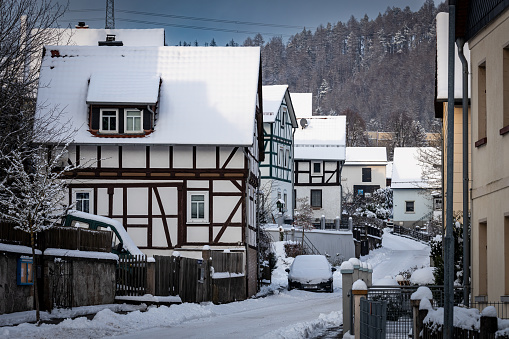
x=224, y=21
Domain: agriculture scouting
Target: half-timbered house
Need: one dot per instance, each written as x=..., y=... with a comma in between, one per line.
x=276, y=170
x=320, y=152
x=175, y=134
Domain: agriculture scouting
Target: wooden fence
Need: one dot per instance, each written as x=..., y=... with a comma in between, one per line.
x=72, y=238
x=131, y=275
x=195, y=282
x=167, y=275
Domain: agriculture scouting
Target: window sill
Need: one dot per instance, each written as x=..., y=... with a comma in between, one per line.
x=198, y=222
x=481, y=142
x=99, y=134
x=316, y=208
x=504, y=130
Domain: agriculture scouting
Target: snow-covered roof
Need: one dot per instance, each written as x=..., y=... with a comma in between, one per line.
x=388, y=170
x=123, y=88
x=407, y=168
x=302, y=104
x=443, y=61
x=366, y=156
x=324, y=138
x=272, y=98
x=207, y=95
x=91, y=36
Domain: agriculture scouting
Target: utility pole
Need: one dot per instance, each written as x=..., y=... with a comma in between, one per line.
x=110, y=14
x=449, y=222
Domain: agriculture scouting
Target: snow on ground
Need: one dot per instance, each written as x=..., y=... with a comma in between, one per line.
x=277, y=313
x=396, y=255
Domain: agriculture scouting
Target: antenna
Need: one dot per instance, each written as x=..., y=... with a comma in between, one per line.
x=303, y=123
x=110, y=14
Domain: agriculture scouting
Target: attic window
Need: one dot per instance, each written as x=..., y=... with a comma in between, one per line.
x=133, y=121
x=108, y=121
x=110, y=37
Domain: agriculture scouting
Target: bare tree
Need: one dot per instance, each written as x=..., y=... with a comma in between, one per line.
x=32, y=192
x=23, y=33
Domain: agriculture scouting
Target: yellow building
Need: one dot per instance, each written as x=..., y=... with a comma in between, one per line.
x=485, y=25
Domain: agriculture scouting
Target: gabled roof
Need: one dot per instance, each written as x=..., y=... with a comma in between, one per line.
x=206, y=96
x=273, y=97
x=324, y=138
x=302, y=104
x=443, y=62
x=407, y=169
x=366, y=156
x=91, y=36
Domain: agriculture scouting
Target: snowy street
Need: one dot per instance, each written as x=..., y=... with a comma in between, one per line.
x=283, y=314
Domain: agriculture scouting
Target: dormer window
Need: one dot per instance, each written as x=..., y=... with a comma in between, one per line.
x=109, y=121
x=133, y=121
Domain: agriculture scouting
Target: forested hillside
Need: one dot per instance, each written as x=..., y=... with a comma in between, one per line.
x=379, y=68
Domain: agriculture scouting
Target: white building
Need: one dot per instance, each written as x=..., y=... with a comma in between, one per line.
x=364, y=171
x=414, y=198
x=176, y=134
x=320, y=152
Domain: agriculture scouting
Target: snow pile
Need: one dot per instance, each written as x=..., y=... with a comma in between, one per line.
x=423, y=276
x=308, y=329
x=422, y=292
x=489, y=311
x=151, y=298
x=465, y=318
x=359, y=285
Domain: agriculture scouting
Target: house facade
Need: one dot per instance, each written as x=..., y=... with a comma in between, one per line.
x=320, y=153
x=170, y=136
x=364, y=170
x=485, y=25
x=416, y=201
x=279, y=124
x=441, y=108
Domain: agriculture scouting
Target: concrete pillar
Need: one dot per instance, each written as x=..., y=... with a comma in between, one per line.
x=293, y=233
x=420, y=301
x=489, y=323
x=356, y=265
x=369, y=282
x=346, y=270
x=322, y=222
x=350, y=224
x=359, y=291
x=337, y=222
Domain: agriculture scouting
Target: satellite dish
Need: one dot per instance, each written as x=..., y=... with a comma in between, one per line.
x=303, y=123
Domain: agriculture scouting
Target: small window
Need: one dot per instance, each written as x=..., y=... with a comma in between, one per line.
x=366, y=175
x=133, y=121
x=25, y=273
x=287, y=158
x=409, y=206
x=283, y=117
x=437, y=204
x=316, y=168
x=198, y=207
x=83, y=201
x=280, y=157
x=285, y=199
x=109, y=121
x=316, y=198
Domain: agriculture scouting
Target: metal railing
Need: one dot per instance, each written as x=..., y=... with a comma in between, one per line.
x=412, y=233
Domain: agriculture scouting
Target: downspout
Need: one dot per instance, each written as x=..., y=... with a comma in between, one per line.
x=153, y=116
x=466, y=218
x=449, y=223
x=246, y=155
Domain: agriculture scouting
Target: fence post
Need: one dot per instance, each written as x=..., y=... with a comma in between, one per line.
x=322, y=222
x=420, y=301
x=293, y=233
x=350, y=224
x=346, y=270
x=489, y=323
x=356, y=264
x=151, y=276
x=369, y=281
x=337, y=222
x=359, y=291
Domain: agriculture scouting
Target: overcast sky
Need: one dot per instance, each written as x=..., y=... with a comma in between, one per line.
x=223, y=20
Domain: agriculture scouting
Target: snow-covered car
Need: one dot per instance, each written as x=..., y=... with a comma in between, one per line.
x=310, y=272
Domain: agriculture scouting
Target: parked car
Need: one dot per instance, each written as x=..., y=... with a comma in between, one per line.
x=310, y=272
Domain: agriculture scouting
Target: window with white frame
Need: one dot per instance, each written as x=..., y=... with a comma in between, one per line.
x=108, y=121
x=133, y=120
x=316, y=168
x=82, y=201
x=280, y=157
x=287, y=158
x=198, y=207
